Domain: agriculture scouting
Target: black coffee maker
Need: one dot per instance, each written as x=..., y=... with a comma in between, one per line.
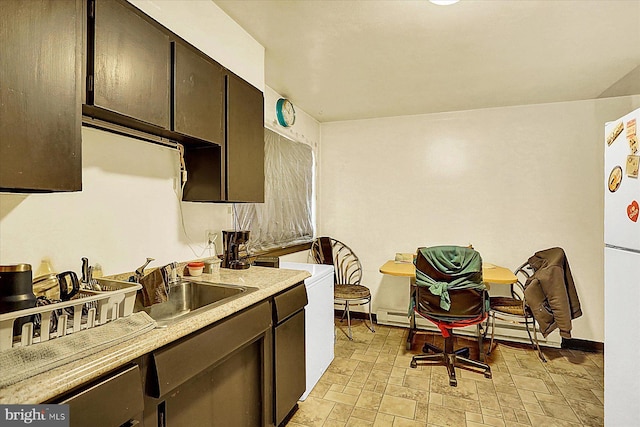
x=235, y=249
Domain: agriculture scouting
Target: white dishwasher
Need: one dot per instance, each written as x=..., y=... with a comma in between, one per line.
x=318, y=317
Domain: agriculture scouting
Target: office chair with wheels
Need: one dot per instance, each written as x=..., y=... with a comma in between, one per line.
x=514, y=310
x=450, y=293
x=348, y=273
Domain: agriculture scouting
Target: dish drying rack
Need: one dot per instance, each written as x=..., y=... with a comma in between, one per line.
x=115, y=300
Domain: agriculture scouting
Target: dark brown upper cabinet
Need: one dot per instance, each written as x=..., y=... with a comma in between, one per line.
x=130, y=66
x=40, y=95
x=233, y=171
x=198, y=94
x=142, y=77
x=205, y=167
x=245, y=142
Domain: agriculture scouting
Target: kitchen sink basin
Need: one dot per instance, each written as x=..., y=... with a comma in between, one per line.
x=188, y=298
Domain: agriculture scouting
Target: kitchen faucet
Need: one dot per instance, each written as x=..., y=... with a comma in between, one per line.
x=140, y=270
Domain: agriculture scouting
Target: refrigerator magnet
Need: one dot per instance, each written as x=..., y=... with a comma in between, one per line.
x=614, y=133
x=632, y=166
x=633, y=144
x=631, y=128
x=632, y=211
x=615, y=178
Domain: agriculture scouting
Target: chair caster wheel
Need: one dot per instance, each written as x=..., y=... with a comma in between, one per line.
x=414, y=364
x=453, y=382
x=487, y=375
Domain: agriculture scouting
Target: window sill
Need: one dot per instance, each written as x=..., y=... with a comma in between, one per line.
x=277, y=252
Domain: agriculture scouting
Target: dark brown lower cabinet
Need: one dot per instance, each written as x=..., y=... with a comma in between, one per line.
x=288, y=350
x=111, y=401
x=229, y=394
x=248, y=370
x=220, y=376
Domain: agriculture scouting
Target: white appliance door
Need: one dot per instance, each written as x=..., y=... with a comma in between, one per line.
x=622, y=184
x=319, y=328
x=621, y=337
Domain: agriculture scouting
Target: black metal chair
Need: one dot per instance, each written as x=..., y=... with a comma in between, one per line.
x=348, y=273
x=450, y=293
x=514, y=310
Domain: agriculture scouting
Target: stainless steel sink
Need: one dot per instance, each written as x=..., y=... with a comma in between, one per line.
x=188, y=298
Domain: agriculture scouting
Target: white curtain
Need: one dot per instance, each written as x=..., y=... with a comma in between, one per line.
x=286, y=216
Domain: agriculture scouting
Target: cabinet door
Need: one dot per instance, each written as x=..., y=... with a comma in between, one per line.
x=289, y=357
x=111, y=401
x=199, y=95
x=132, y=59
x=228, y=395
x=40, y=95
x=245, y=142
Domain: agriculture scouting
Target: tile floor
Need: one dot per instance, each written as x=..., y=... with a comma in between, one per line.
x=370, y=383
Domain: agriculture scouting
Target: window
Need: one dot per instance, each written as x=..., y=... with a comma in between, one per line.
x=286, y=216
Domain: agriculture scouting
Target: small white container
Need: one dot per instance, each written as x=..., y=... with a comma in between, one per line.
x=195, y=268
x=212, y=265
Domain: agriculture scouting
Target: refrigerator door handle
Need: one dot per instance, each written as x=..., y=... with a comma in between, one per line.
x=636, y=251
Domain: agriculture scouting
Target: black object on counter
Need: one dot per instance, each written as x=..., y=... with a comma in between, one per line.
x=16, y=292
x=235, y=250
x=63, y=279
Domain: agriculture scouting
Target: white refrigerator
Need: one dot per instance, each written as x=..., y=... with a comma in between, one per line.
x=622, y=272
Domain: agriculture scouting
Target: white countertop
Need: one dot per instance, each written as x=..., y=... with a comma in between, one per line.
x=50, y=384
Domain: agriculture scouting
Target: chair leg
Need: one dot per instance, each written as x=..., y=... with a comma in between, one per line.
x=349, y=320
x=475, y=364
x=433, y=348
x=438, y=357
x=450, y=358
x=412, y=330
x=534, y=341
x=344, y=312
x=371, y=318
x=480, y=343
x=464, y=352
x=493, y=330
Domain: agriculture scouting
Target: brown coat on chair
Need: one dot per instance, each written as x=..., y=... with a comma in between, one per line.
x=551, y=293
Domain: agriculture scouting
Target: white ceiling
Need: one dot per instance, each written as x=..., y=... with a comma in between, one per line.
x=344, y=60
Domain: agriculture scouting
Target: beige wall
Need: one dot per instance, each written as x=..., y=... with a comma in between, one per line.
x=128, y=209
x=510, y=181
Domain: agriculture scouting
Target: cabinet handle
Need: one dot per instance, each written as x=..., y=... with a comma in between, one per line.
x=162, y=412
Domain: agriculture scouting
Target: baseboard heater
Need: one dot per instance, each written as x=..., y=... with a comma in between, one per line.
x=504, y=331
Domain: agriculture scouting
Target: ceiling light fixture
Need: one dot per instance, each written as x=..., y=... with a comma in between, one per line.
x=444, y=2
